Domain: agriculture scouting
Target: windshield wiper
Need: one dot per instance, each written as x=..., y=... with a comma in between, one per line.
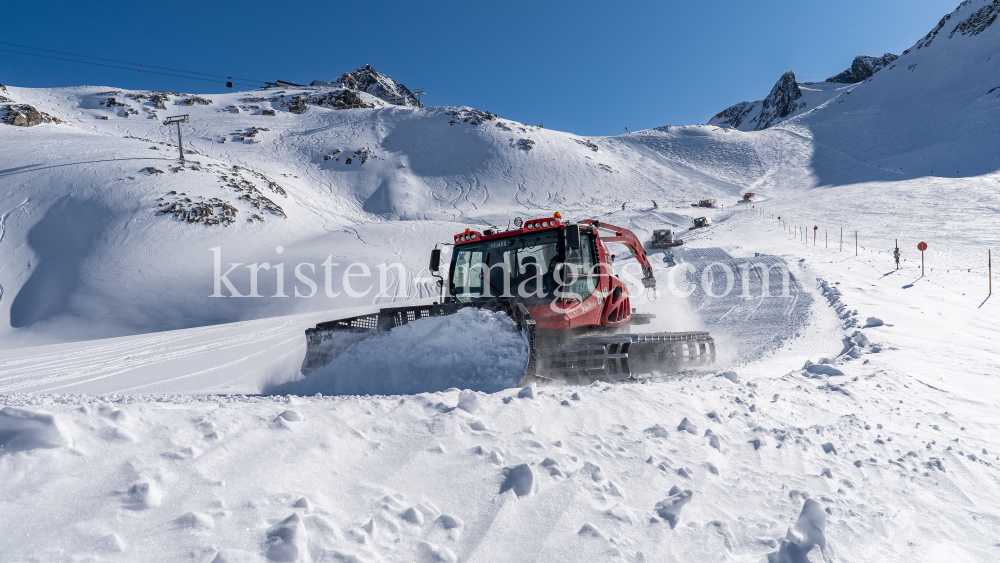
x=493, y=285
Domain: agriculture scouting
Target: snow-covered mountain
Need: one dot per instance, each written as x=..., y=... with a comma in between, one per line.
x=928, y=112
x=851, y=419
x=918, y=115
x=788, y=98
x=266, y=169
x=369, y=80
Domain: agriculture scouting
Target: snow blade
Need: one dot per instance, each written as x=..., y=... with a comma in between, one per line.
x=677, y=242
x=326, y=340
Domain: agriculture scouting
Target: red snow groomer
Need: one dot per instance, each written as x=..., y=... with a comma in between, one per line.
x=706, y=203
x=748, y=197
x=555, y=281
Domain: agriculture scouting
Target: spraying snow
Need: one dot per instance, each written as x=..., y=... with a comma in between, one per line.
x=472, y=349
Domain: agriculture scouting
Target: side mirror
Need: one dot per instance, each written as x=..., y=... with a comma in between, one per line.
x=573, y=237
x=435, y=259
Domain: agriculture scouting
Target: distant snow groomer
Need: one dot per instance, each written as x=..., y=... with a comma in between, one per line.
x=699, y=223
x=555, y=280
x=664, y=238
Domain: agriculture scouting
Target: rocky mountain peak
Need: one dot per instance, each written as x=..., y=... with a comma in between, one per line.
x=978, y=21
x=369, y=80
x=863, y=68
x=781, y=102
x=972, y=25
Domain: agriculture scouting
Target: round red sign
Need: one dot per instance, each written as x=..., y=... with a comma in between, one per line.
x=922, y=246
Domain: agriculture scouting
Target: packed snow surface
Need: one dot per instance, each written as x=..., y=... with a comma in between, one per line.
x=472, y=349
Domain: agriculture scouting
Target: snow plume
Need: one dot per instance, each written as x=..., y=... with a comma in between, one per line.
x=672, y=304
x=472, y=349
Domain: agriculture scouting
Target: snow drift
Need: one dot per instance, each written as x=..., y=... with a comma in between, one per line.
x=22, y=429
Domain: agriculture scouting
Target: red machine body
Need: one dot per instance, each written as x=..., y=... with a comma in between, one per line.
x=555, y=281
x=609, y=305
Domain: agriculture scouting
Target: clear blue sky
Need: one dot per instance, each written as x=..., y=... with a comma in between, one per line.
x=582, y=66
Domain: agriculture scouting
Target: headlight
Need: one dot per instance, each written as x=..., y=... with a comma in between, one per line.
x=529, y=226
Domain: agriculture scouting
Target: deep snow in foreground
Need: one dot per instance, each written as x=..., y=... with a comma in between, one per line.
x=414, y=478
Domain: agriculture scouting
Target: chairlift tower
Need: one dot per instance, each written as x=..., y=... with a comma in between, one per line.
x=178, y=119
x=419, y=92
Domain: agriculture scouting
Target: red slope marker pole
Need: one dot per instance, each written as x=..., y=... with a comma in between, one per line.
x=922, y=247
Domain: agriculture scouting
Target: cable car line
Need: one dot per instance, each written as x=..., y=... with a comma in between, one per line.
x=142, y=68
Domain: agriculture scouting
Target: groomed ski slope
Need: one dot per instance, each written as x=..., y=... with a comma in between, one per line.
x=403, y=478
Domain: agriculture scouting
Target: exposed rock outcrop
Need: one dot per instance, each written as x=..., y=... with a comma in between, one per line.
x=298, y=105
x=195, y=100
x=781, y=102
x=369, y=80
x=24, y=115
x=972, y=25
x=734, y=114
x=340, y=99
x=863, y=68
x=979, y=21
